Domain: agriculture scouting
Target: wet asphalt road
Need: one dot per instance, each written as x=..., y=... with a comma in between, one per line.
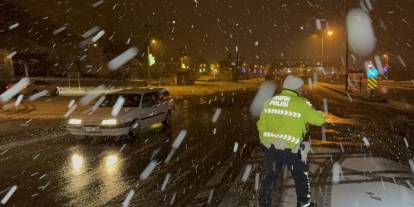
x=58, y=169
x=63, y=170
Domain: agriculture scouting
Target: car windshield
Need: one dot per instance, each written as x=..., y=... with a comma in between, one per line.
x=131, y=100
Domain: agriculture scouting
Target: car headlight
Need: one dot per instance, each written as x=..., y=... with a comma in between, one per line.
x=109, y=122
x=75, y=121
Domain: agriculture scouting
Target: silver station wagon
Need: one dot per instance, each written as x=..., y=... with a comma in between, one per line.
x=140, y=110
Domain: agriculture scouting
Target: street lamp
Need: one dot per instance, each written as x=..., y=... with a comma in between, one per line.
x=150, y=58
x=330, y=33
x=346, y=50
x=386, y=57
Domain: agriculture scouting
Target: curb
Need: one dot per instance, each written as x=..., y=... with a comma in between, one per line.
x=375, y=99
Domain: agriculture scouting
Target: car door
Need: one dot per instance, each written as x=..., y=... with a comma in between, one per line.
x=149, y=111
x=38, y=86
x=162, y=107
x=131, y=106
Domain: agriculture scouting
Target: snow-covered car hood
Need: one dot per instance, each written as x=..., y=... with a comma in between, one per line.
x=102, y=113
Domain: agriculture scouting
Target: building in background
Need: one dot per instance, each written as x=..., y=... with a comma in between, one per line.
x=6, y=65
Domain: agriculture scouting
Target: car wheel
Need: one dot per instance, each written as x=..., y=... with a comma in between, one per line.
x=167, y=121
x=135, y=130
x=55, y=92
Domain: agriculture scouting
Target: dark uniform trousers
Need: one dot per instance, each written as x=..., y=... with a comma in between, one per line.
x=274, y=160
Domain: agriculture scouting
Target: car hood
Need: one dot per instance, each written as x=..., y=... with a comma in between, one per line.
x=102, y=113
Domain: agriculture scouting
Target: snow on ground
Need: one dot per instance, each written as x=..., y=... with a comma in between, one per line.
x=321, y=149
x=209, y=88
x=393, y=101
x=376, y=194
x=332, y=119
x=41, y=107
x=398, y=84
x=368, y=184
x=199, y=88
x=74, y=91
x=362, y=188
x=371, y=164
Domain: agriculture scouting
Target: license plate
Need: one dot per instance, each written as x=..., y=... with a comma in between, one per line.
x=90, y=129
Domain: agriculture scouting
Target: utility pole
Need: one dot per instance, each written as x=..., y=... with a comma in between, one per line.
x=148, y=60
x=236, y=67
x=323, y=29
x=148, y=45
x=346, y=49
x=322, y=52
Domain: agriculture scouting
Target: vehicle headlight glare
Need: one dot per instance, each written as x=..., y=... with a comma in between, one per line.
x=75, y=121
x=77, y=162
x=109, y=122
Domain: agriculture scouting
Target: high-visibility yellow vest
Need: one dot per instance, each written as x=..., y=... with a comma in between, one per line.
x=286, y=117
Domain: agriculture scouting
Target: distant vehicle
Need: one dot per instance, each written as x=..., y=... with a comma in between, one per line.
x=38, y=86
x=143, y=110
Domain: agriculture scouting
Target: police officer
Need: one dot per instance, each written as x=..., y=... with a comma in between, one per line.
x=282, y=125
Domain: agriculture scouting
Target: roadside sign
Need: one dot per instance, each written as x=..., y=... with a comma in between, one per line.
x=372, y=83
x=387, y=69
x=372, y=73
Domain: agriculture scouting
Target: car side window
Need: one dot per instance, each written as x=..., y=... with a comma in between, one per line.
x=156, y=97
x=136, y=100
x=148, y=100
x=132, y=101
x=165, y=96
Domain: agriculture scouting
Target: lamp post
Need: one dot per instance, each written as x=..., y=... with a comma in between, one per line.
x=346, y=50
x=386, y=57
x=329, y=33
x=149, y=27
x=149, y=58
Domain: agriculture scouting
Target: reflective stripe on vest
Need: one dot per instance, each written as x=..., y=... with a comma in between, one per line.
x=284, y=137
x=283, y=112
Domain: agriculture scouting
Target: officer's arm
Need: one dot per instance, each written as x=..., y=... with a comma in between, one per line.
x=261, y=123
x=313, y=116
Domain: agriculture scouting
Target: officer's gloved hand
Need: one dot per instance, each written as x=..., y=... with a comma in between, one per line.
x=305, y=148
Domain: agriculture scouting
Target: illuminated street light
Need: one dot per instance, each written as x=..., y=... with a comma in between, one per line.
x=183, y=66
x=386, y=57
x=330, y=33
x=151, y=59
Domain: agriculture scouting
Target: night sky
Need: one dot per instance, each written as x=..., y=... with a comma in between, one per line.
x=262, y=29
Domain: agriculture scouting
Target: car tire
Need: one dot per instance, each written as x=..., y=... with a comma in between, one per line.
x=135, y=132
x=55, y=92
x=167, y=121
